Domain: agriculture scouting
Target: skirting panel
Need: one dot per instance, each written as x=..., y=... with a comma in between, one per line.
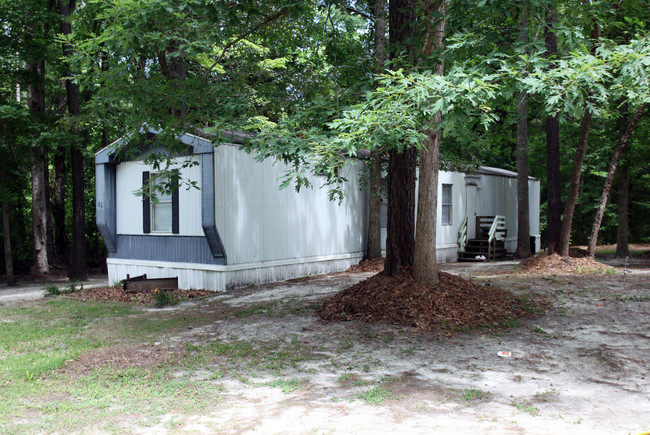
x=222, y=278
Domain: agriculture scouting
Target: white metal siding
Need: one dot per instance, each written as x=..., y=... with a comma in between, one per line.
x=129, y=205
x=259, y=222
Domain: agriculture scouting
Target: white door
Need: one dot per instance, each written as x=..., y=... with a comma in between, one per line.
x=471, y=206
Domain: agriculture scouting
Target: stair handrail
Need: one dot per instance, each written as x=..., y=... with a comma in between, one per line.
x=494, y=228
x=462, y=235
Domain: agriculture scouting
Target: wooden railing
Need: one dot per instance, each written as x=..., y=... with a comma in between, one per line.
x=462, y=235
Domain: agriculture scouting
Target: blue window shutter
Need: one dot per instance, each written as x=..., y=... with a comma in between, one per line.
x=146, y=204
x=175, y=223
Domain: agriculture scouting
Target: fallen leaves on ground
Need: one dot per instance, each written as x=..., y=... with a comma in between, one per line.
x=555, y=264
x=374, y=265
x=455, y=303
x=117, y=294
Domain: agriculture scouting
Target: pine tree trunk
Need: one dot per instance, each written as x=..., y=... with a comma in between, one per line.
x=400, y=242
x=425, y=269
x=591, y=247
x=374, y=207
x=39, y=216
x=36, y=103
x=553, y=181
x=6, y=232
x=77, y=268
x=374, y=212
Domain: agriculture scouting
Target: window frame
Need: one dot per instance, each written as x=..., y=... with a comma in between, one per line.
x=449, y=204
x=156, y=201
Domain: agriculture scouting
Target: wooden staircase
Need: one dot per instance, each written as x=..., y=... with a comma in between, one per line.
x=488, y=243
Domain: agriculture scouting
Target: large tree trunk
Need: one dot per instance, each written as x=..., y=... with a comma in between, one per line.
x=6, y=233
x=425, y=270
x=77, y=269
x=574, y=185
x=374, y=216
x=36, y=103
x=523, y=215
x=400, y=242
x=553, y=182
x=591, y=247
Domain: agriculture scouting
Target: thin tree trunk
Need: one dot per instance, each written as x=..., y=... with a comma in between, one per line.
x=6, y=232
x=58, y=204
x=77, y=269
x=400, y=242
x=374, y=217
x=425, y=270
x=48, y=210
x=574, y=185
x=553, y=181
x=591, y=247
x=523, y=215
x=622, y=242
x=36, y=103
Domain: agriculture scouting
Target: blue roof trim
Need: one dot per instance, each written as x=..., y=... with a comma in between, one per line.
x=106, y=160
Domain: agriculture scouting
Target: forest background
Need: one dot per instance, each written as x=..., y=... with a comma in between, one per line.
x=494, y=81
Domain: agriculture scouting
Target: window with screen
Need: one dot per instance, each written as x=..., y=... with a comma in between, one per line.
x=446, y=204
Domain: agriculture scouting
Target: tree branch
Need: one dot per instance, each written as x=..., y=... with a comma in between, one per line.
x=265, y=22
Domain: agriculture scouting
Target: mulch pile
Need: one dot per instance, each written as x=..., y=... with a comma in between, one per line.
x=454, y=303
x=375, y=265
x=555, y=264
x=117, y=294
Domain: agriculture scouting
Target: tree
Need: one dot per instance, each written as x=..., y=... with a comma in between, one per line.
x=523, y=215
x=425, y=270
x=77, y=269
x=374, y=207
x=553, y=181
x=591, y=247
x=400, y=242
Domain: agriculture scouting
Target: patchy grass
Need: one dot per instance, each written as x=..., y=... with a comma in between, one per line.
x=288, y=385
x=526, y=408
x=470, y=396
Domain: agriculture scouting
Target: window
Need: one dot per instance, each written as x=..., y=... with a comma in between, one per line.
x=159, y=215
x=161, y=207
x=446, y=204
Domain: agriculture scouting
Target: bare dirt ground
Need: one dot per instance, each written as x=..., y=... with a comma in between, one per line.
x=581, y=368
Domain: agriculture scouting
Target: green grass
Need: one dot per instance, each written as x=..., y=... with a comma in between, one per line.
x=273, y=355
x=277, y=308
x=376, y=395
x=526, y=408
x=287, y=386
x=474, y=395
x=39, y=339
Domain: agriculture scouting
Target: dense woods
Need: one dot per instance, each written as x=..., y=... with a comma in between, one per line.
x=557, y=88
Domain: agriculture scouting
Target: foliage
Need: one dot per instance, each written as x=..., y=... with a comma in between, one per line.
x=164, y=297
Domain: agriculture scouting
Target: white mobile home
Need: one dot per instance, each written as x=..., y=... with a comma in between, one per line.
x=239, y=228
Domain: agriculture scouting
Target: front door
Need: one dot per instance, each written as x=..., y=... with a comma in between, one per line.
x=471, y=206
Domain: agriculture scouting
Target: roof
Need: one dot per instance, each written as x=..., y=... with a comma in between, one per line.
x=488, y=170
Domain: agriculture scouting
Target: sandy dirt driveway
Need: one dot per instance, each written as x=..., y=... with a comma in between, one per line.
x=582, y=368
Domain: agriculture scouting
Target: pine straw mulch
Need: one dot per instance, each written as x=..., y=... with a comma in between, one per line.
x=374, y=265
x=454, y=304
x=117, y=294
x=555, y=264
